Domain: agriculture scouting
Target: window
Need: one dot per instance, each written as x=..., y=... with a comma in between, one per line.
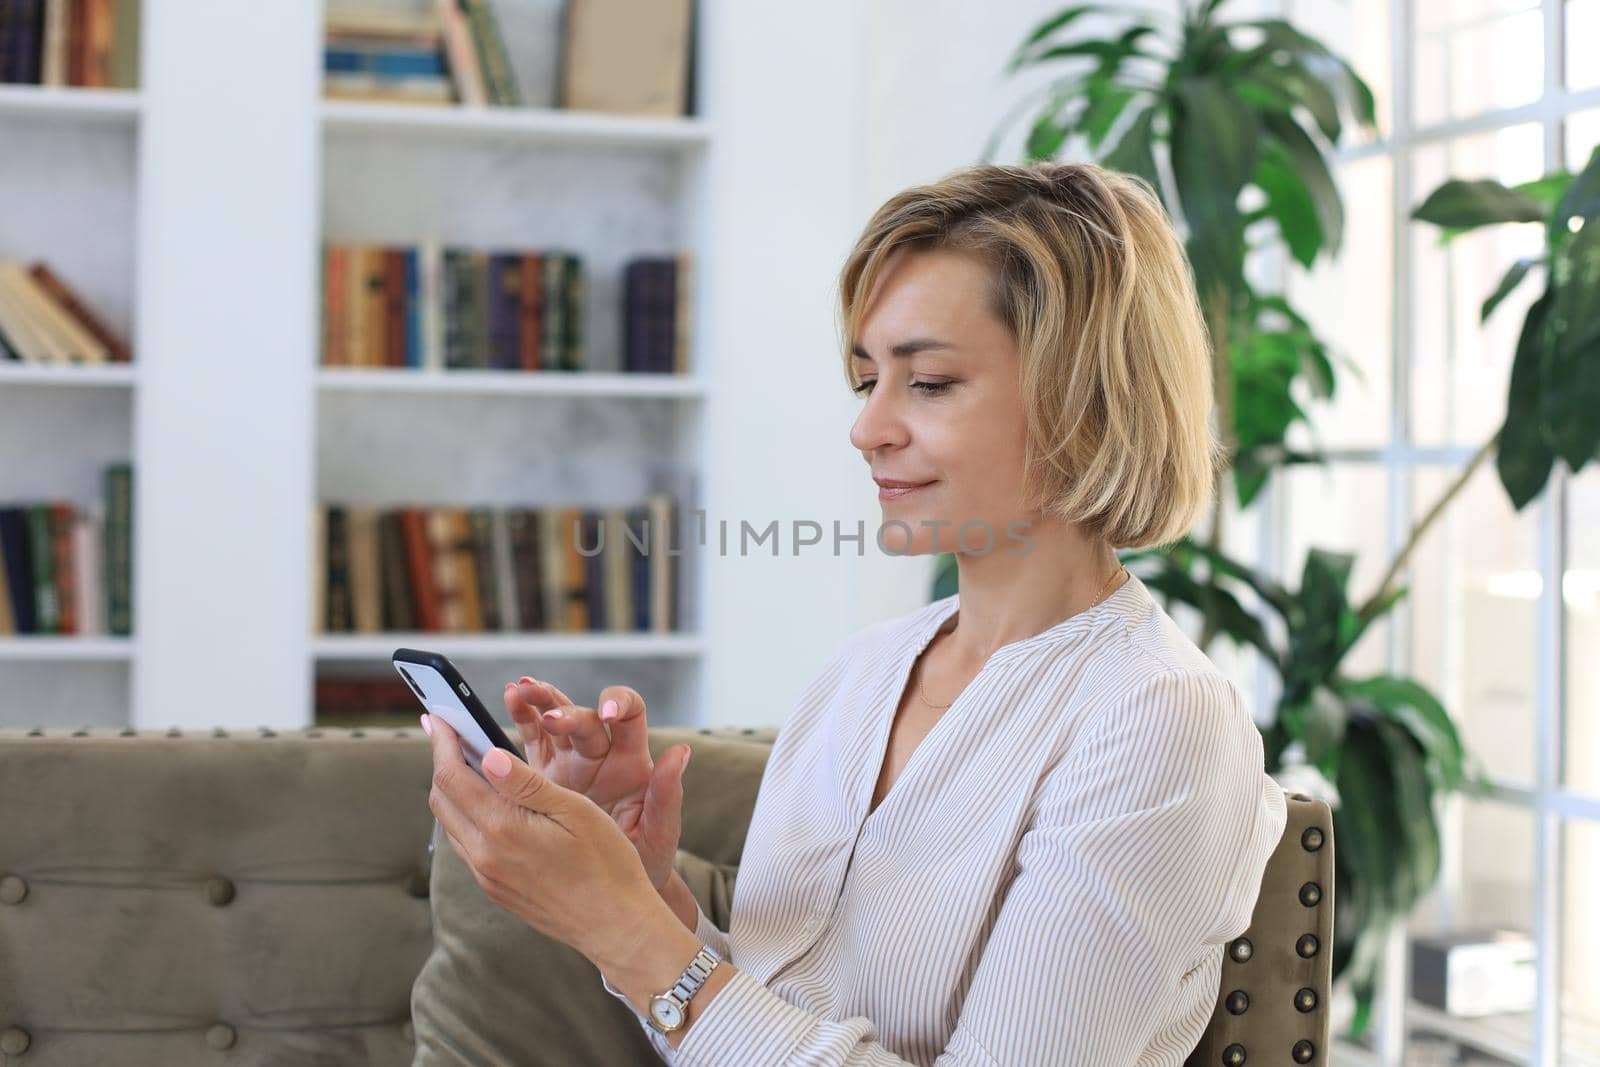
x=1503, y=620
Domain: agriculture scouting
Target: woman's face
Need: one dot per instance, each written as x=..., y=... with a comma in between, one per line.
x=942, y=405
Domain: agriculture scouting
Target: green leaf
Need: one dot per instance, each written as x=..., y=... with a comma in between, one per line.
x=1410, y=705
x=1366, y=826
x=1461, y=205
x=1311, y=166
x=1186, y=549
x=1570, y=355
x=1133, y=154
x=1106, y=102
x=1509, y=282
x=1524, y=457
x=1289, y=203
x=1048, y=27
x=1045, y=138
x=1323, y=723
x=1213, y=155
x=1279, y=35
x=1582, y=198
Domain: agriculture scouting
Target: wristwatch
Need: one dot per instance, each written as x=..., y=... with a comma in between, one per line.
x=668, y=1011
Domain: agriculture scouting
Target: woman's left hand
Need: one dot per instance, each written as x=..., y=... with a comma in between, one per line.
x=544, y=853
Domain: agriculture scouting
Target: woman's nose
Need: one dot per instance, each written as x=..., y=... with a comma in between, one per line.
x=878, y=425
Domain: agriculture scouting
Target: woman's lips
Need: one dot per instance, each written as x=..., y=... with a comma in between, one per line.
x=886, y=493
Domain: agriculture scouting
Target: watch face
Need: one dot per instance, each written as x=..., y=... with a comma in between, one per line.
x=666, y=1013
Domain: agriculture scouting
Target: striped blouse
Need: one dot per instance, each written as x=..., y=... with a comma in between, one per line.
x=1051, y=879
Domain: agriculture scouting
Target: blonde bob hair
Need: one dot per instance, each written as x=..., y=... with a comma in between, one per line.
x=1087, y=274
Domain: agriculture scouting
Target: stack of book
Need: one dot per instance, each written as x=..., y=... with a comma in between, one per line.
x=453, y=54
x=43, y=321
x=429, y=307
x=558, y=569
x=88, y=43
x=65, y=570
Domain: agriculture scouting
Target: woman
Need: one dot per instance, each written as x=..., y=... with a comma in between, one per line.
x=1017, y=825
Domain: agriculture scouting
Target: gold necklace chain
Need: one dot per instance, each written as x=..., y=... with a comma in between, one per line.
x=1101, y=595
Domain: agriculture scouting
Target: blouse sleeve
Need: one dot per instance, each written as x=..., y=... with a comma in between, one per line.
x=1147, y=849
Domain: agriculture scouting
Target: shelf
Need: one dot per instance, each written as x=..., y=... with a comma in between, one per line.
x=114, y=375
x=501, y=646
x=499, y=124
x=47, y=648
x=1506, y=1036
x=516, y=383
x=88, y=105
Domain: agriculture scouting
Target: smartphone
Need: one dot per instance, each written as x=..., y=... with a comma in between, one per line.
x=444, y=692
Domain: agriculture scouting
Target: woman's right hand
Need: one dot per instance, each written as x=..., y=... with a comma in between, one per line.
x=568, y=744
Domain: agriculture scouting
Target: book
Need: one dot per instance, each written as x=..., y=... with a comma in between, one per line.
x=626, y=58
x=499, y=83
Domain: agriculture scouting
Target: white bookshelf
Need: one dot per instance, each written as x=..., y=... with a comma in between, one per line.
x=191, y=213
x=72, y=156
x=377, y=172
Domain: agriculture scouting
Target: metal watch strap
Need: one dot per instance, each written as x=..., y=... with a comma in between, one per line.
x=693, y=976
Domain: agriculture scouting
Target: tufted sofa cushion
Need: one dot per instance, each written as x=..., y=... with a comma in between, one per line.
x=243, y=897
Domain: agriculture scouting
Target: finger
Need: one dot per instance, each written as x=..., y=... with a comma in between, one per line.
x=453, y=778
x=542, y=695
x=661, y=820
x=552, y=706
x=581, y=728
x=524, y=786
x=534, y=740
x=459, y=827
x=629, y=729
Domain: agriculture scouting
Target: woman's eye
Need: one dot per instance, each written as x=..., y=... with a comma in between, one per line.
x=930, y=388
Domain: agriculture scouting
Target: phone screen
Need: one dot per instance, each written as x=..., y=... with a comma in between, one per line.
x=442, y=690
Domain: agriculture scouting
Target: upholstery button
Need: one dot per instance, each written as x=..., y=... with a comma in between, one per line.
x=1311, y=894
x=1307, y=945
x=1238, y=1002
x=1233, y=1055
x=1303, y=1051
x=1311, y=840
x=12, y=889
x=1305, y=999
x=221, y=1036
x=1241, y=950
x=219, y=890
x=14, y=1041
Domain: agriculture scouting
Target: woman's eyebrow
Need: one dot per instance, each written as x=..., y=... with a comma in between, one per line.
x=906, y=348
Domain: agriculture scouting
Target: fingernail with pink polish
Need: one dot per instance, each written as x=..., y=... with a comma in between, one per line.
x=608, y=711
x=427, y=727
